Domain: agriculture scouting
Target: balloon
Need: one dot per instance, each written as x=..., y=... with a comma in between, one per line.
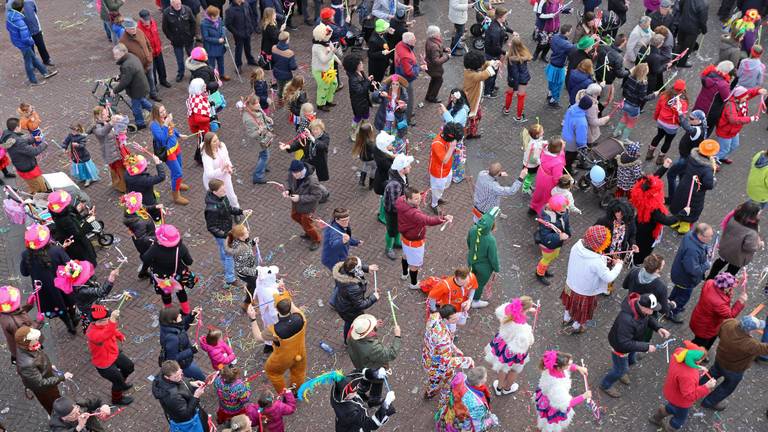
x=597, y=174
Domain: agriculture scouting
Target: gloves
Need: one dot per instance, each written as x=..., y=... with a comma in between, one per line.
x=194, y=349
x=381, y=373
x=389, y=399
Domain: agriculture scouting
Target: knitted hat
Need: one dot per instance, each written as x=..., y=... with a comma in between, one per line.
x=37, y=236
x=749, y=323
x=296, y=166
x=63, y=406
x=585, y=102
x=756, y=51
x=129, y=23
x=135, y=164
x=362, y=326
x=725, y=280
x=144, y=14
x=649, y=301
x=99, y=312
x=690, y=354
x=632, y=149
x=167, y=235
x=558, y=203
x=73, y=273
x=667, y=3
x=725, y=66
x=585, y=43
x=709, y=147
x=326, y=14
x=10, y=298
x=597, y=238
x=58, y=200
x=384, y=140
x=401, y=161
x=132, y=201
x=199, y=54
x=699, y=115
x=739, y=91
x=679, y=85
x=381, y=26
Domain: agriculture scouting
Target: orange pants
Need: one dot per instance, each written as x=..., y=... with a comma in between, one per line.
x=278, y=363
x=305, y=220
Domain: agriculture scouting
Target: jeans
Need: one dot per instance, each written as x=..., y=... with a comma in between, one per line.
x=674, y=173
x=158, y=69
x=227, y=261
x=679, y=415
x=136, y=106
x=490, y=84
x=40, y=44
x=152, y=84
x=261, y=166
x=193, y=371
x=727, y=146
x=724, y=389
x=179, y=51
x=458, y=32
x=680, y=295
x=212, y=61
x=31, y=62
x=345, y=332
x=243, y=44
x=620, y=367
x=107, y=30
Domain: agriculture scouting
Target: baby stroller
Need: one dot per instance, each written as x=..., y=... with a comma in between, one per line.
x=602, y=154
x=477, y=30
x=353, y=39
x=110, y=100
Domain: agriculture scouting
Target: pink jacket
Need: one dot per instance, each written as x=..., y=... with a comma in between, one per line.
x=221, y=354
x=282, y=406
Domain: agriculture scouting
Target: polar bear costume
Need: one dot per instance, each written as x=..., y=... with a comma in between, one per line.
x=509, y=348
x=266, y=289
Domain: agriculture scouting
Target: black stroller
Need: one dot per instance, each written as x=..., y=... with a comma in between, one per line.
x=602, y=154
x=110, y=100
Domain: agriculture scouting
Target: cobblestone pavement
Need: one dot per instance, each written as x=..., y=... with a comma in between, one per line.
x=77, y=43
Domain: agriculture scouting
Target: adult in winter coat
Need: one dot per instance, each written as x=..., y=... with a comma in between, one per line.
x=337, y=238
x=35, y=368
x=21, y=37
x=408, y=67
x=699, y=177
x=29, y=10
x=740, y=239
x=575, y=132
x=349, y=406
x=148, y=26
x=365, y=348
x=39, y=261
x=714, y=307
x=556, y=68
x=138, y=45
x=715, y=90
x=457, y=14
x=619, y=218
x=350, y=300
x=141, y=181
x=168, y=258
x=626, y=337
x=647, y=198
x=730, y=48
x=435, y=55
x=735, y=116
x=688, y=269
x=646, y=279
x=394, y=189
x=214, y=33
x=14, y=316
x=594, y=120
x=174, y=340
x=22, y=149
x=283, y=62
x=550, y=170
x=757, y=180
x=359, y=91
x=579, y=78
x=179, y=26
x=67, y=416
x=110, y=362
x=638, y=42
x=507, y=353
x=691, y=22
x=304, y=191
x=239, y=21
x=70, y=225
x=133, y=80
x=220, y=216
x=379, y=53
x=483, y=255
x=682, y=387
x=179, y=396
x=494, y=41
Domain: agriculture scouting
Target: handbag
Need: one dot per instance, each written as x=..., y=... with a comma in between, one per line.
x=169, y=285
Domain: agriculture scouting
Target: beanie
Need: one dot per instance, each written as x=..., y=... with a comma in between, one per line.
x=63, y=406
x=597, y=238
x=585, y=103
x=296, y=166
x=725, y=280
x=749, y=323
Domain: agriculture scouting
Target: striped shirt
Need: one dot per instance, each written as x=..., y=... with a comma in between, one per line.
x=488, y=191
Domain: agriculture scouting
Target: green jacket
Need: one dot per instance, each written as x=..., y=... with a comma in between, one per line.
x=369, y=352
x=481, y=243
x=757, y=180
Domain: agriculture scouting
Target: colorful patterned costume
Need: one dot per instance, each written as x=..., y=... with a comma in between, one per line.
x=440, y=357
x=509, y=348
x=467, y=408
x=554, y=404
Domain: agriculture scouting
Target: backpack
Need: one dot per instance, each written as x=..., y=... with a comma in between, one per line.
x=159, y=150
x=429, y=283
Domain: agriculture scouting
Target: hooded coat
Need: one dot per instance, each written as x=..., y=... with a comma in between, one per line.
x=334, y=248
x=22, y=153
x=681, y=387
x=483, y=256
x=691, y=261
x=715, y=88
x=575, y=129
x=757, y=180
x=628, y=329
x=350, y=301
x=701, y=167
x=175, y=341
x=176, y=398
x=18, y=30
x=641, y=282
x=201, y=70
x=713, y=308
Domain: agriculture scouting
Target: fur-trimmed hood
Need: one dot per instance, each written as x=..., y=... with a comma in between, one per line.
x=557, y=390
x=343, y=278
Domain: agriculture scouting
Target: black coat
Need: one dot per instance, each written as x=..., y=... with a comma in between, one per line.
x=269, y=39
x=58, y=424
x=692, y=16
x=179, y=26
x=657, y=63
x=70, y=224
x=383, y=165
x=53, y=301
x=494, y=40
x=657, y=287
x=88, y=294
x=359, y=94
x=696, y=165
x=316, y=154
x=378, y=62
x=201, y=70
x=75, y=144
x=162, y=260
x=352, y=415
x=174, y=341
x=177, y=399
x=615, y=64
x=219, y=215
x=350, y=300
x=239, y=20
x=144, y=183
x=143, y=231
x=629, y=327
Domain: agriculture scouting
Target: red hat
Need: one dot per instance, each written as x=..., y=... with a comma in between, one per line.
x=679, y=85
x=597, y=238
x=98, y=312
x=326, y=13
x=756, y=51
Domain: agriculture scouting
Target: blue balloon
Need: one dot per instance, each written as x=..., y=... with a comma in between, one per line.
x=597, y=174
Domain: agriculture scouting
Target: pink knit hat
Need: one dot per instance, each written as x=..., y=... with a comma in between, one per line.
x=73, y=273
x=132, y=202
x=58, y=200
x=136, y=164
x=37, y=236
x=10, y=298
x=199, y=54
x=167, y=235
x=558, y=203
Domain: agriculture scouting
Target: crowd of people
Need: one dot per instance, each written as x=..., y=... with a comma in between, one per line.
x=587, y=59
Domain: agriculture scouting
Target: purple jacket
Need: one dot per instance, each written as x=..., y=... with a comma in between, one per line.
x=711, y=84
x=652, y=5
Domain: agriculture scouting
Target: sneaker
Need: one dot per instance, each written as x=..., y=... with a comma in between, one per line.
x=165, y=84
x=543, y=280
x=414, y=287
x=520, y=119
x=511, y=389
x=493, y=95
x=548, y=273
x=50, y=74
x=496, y=388
x=726, y=161
x=314, y=246
x=37, y=83
x=140, y=127
x=390, y=254
x=479, y=304
x=505, y=111
x=610, y=391
x=404, y=276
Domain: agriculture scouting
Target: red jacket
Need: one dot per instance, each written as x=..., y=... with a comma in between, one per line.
x=405, y=62
x=150, y=31
x=735, y=115
x=681, y=388
x=713, y=308
x=667, y=113
x=412, y=223
x=102, y=342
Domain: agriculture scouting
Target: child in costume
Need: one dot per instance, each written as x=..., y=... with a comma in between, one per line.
x=120, y=128
x=76, y=278
x=563, y=187
x=508, y=351
x=267, y=287
x=483, y=256
x=629, y=169
x=440, y=356
x=553, y=401
x=83, y=168
x=140, y=224
x=218, y=349
x=233, y=393
x=553, y=230
x=271, y=410
x=29, y=120
x=468, y=407
x=533, y=145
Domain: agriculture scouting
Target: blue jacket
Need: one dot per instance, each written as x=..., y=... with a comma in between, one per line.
x=334, y=249
x=578, y=80
x=282, y=65
x=559, y=46
x=575, y=128
x=546, y=236
x=691, y=261
x=174, y=340
x=211, y=35
x=18, y=30
x=30, y=16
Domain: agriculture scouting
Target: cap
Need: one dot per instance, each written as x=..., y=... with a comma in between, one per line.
x=296, y=166
x=63, y=406
x=326, y=13
x=585, y=103
x=679, y=85
x=144, y=14
x=362, y=326
x=649, y=301
x=129, y=23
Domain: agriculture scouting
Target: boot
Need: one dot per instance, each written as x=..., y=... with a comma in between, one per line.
x=542, y=279
x=71, y=327
x=370, y=183
x=184, y=308
x=8, y=174
x=649, y=155
x=666, y=426
x=118, y=398
x=361, y=182
x=178, y=199
x=660, y=158
x=183, y=187
x=659, y=415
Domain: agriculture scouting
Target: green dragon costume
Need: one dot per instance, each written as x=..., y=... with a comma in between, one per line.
x=483, y=257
